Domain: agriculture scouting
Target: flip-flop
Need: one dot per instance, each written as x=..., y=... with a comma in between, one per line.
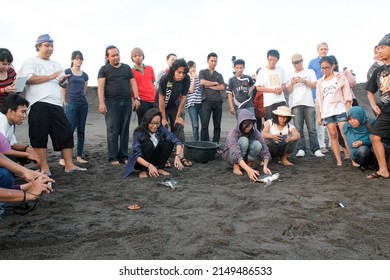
x=286, y=162
x=76, y=169
x=134, y=207
x=186, y=162
x=115, y=163
x=376, y=175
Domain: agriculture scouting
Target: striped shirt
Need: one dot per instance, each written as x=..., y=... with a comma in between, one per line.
x=196, y=96
x=7, y=82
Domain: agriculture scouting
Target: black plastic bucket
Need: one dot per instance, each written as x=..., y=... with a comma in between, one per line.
x=201, y=152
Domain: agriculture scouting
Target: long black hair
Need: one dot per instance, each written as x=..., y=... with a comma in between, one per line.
x=147, y=118
x=178, y=63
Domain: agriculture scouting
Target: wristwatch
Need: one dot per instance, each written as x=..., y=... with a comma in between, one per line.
x=137, y=98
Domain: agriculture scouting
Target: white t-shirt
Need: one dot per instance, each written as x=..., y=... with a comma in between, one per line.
x=301, y=93
x=330, y=109
x=7, y=130
x=274, y=130
x=50, y=91
x=271, y=79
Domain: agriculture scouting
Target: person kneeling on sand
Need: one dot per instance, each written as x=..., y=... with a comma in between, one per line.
x=152, y=145
x=280, y=136
x=244, y=145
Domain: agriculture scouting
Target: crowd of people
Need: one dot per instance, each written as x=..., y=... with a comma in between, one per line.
x=319, y=97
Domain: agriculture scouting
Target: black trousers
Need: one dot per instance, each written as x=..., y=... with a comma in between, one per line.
x=157, y=156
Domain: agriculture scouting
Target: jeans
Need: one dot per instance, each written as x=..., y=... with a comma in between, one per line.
x=208, y=108
x=278, y=149
x=118, y=123
x=250, y=109
x=195, y=114
x=142, y=109
x=77, y=116
x=320, y=132
x=6, y=182
x=364, y=156
x=308, y=115
x=251, y=150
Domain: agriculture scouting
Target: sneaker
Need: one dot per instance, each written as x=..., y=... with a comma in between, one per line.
x=318, y=153
x=324, y=150
x=301, y=153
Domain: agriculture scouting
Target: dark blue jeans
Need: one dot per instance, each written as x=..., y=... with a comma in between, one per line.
x=195, y=113
x=118, y=124
x=77, y=116
x=208, y=108
x=6, y=182
x=306, y=114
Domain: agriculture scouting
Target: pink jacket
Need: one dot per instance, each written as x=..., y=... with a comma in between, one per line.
x=343, y=91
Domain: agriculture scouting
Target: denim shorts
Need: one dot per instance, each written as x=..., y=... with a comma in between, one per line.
x=335, y=119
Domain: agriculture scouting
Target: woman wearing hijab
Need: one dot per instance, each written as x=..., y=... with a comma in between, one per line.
x=152, y=146
x=357, y=134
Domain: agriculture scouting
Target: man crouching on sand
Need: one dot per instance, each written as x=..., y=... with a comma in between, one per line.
x=244, y=145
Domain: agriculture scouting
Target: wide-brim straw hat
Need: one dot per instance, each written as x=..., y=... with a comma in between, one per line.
x=283, y=111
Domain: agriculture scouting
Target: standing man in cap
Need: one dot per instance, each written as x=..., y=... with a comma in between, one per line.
x=47, y=116
x=300, y=83
x=380, y=79
x=144, y=76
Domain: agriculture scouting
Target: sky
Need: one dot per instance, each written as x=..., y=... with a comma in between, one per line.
x=192, y=29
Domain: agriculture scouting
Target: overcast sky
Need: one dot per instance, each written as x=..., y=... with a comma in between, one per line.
x=246, y=29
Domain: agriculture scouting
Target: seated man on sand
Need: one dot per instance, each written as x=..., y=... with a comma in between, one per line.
x=244, y=145
x=152, y=145
x=14, y=111
x=280, y=136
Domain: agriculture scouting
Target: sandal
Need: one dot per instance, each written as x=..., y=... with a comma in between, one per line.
x=115, y=163
x=186, y=162
x=286, y=162
x=376, y=175
x=168, y=164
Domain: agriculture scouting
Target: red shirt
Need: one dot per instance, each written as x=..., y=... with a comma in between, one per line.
x=145, y=82
x=7, y=82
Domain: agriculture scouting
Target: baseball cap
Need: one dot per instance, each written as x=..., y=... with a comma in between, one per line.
x=296, y=57
x=385, y=41
x=44, y=38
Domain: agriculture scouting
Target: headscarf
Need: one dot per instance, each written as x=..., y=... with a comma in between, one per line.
x=359, y=133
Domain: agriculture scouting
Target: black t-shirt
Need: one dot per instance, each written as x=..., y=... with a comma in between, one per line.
x=172, y=90
x=208, y=93
x=117, y=86
x=380, y=79
x=239, y=87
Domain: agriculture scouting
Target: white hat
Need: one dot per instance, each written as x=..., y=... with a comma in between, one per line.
x=283, y=111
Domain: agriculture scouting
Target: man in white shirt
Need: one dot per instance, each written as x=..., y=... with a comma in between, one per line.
x=14, y=111
x=300, y=83
x=271, y=80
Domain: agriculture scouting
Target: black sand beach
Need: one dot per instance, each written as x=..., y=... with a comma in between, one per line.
x=212, y=215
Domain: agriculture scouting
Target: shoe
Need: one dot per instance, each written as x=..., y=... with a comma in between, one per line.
x=301, y=153
x=318, y=153
x=76, y=169
x=324, y=150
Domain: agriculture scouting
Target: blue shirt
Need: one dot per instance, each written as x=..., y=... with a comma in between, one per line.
x=315, y=65
x=75, y=89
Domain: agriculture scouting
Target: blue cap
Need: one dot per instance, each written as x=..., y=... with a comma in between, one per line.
x=44, y=38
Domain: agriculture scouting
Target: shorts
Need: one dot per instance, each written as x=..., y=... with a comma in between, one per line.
x=335, y=119
x=46, y=119
x=381, y=126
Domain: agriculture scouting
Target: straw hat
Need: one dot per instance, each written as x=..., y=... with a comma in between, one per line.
x=283, y=111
